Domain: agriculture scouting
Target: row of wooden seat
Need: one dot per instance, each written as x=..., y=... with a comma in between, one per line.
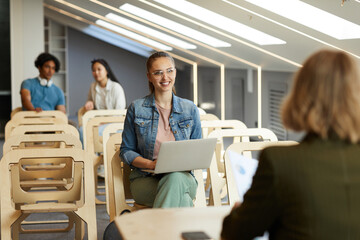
x=93, y=142
x=220, y=184
x=45, y=173
x=105, y=149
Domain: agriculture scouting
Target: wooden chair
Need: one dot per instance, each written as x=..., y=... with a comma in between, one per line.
x=42, y=141
x=43, y=114
x=244, y=148
x=208, y=116
x=117, y=181
x=35, y=118
x=76, y=200
x=119, y=196
x=32, y=141
x=99, y=113
x=119, y=199
x=80, y=114
x=107, y=133
x=94, y=143
x=45, y=129
x=15, y=111
x=207, y=126
x=201, y=111
x=200, y=200
x=216, y=173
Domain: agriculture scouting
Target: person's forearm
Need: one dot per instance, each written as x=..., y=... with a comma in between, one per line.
x=141, y=162
x=28, y=105
x=61, y=108
x=26, y=100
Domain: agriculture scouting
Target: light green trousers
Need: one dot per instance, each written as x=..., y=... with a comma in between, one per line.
x=177, y=189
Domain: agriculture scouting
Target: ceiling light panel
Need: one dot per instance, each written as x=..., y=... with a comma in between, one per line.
x=316, y=18
x=117, y=40
x=174, y=26
x=221, y=22
x=133, y=35
x=150, y=31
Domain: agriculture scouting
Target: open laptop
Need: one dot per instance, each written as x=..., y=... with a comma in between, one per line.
x=186, y=155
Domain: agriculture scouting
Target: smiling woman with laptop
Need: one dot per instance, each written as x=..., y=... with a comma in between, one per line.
x=159, y=117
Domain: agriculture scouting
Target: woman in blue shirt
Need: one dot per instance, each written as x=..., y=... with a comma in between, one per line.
x=160, y=116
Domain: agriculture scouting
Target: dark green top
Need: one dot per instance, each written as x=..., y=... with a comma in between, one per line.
x=307, y=191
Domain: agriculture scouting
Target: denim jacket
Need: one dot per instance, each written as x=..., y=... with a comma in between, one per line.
x=141, y=125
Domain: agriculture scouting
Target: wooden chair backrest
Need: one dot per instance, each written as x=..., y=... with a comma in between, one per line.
x=42, y=141
x=45, y=129
x=15, y=111
x=208, y=116
x=15, y=160
x=99, y=113
x=107, y=133
x=82, y=190
x=207, y=126
x=50, y=167
x=20, y=196
x=242, y=148
x=80, y=114
x=43, y=114
x=93, y=141
x=117, y=179
x=218, y=165
x=33, y=118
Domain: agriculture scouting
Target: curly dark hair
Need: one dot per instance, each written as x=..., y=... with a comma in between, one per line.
x=44, y=57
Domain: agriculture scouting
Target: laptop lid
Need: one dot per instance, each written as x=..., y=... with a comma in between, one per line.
x=184, y=155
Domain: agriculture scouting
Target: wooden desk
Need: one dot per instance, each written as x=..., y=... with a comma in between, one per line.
x=170, y=223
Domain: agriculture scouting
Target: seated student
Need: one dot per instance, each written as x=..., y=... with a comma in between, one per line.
x=311, y=190
x=40, y=93
x=150, y=121
x=105, y=92
x=154, y=119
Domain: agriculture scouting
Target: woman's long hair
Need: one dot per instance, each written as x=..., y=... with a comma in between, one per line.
x=110, y=73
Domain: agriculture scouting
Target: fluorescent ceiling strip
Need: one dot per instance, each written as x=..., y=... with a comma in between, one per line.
x=222, y=22
x=102, y=17
x=112, y=27
x=133, y=35
x=289, y=28
x=316, y=18
x=150, y=31
x=117, y=40
x=246, y=43
x=189, y=32
x=194, y=64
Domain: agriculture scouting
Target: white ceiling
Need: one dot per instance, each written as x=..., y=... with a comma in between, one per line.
x=80, y=14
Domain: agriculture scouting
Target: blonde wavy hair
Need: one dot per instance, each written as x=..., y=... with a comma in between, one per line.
x=325, y=97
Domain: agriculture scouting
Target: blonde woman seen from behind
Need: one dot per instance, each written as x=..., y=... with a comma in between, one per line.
x=311, y=190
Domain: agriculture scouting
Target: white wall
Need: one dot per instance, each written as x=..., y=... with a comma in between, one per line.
x=27, y=42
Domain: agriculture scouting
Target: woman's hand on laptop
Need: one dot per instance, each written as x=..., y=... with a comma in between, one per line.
x=141, y=162
x=152, y=164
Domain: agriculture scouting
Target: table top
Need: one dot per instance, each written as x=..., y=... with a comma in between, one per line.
x=171, y=222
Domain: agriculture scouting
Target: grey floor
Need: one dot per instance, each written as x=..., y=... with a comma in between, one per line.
x=101, y=216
